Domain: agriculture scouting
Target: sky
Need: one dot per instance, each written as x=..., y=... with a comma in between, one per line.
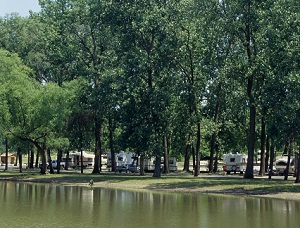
x=18, y=6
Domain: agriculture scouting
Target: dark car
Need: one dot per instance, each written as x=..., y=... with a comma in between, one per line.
x=121, y=168
x=133, y=168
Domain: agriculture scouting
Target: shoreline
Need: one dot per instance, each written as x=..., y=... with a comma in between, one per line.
x=189, y=184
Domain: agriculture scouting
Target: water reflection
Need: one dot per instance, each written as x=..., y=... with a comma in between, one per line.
x=44, y=205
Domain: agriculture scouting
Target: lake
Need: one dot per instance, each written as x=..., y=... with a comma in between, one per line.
x=51, y=205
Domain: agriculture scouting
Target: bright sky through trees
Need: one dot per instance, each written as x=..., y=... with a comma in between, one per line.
x=18, y=6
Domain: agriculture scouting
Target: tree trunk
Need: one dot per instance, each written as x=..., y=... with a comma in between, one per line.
x=98, y=128
x=214, y=135
x=251, y=143
x=267, y=154
x=262, y=147
x=186, y=162
x=212, y=152
x=67, y=159
x=17, y=160
x=20, y=159
x=271, y=161
x=296, y=165
x=31, y=157
x=286, y=147
x=298, y=169
x=28, y=158
x=157, y=149
x=193, y=156
x=250, y=93
x=166, y=155
x=197, y=167
x=216, y=159
x=142, y=167
x=37, y=159
x=50, y=161
x=287, y=170
x=81, y=159
x=59, y=155
x=113, y=161
x=44, y=161
x=6, y=154
x=157, y=171
x=111, y=145
x=187, y=155
x=42, y=153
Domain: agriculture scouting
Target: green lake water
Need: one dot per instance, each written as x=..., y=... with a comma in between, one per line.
x=49, y=205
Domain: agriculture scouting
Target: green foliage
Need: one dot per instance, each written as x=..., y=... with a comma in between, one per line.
x=148, y=69
x=32, y=111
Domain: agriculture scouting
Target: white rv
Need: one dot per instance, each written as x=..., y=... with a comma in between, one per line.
x=125, y=161
x=235, y=163
x=281, y=164
x=122, y=161
x=149, y=164
x=74, y=160
x=173, y=164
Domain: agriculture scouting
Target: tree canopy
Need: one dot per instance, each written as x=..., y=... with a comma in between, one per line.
x=185, y=78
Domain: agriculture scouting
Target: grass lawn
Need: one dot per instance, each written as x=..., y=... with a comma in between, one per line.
x=175, y=182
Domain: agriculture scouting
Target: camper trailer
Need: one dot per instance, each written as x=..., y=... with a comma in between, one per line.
x=129, y=161
x=125, y=161
x=74, y=159
x=235, y=163
x=281, y=164
x=149, y=164
x=104, y=159
x=172, y=164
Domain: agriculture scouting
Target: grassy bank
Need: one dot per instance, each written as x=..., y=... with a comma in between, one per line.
x=178, y=182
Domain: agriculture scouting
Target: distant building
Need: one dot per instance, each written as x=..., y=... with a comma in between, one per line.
x=11, y=158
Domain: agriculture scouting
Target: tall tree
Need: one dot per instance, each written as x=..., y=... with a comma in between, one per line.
x=189, y=57
x=146, y=60
x=84, y=27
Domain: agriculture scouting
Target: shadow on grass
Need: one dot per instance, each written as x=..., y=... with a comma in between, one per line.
x=71, y=177
x=229, y=185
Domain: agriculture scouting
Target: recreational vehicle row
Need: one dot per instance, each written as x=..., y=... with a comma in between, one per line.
x=129, y=161
x=238, y=162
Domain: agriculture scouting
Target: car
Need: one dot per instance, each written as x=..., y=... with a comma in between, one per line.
x=121, y=168
x=133, y=168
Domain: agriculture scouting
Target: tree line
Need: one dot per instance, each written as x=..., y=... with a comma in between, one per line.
x=190, y=79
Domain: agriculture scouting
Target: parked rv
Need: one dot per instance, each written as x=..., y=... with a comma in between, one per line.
x=149, y=164
x=204, y=166
x=104, y=159
x=173, y=164
x=125, y=161
x=235, y=163
x=281, y=164
x=88, y=160
x=129, y=162
x=74, y=160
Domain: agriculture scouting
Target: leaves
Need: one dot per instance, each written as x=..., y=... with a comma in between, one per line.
x=152, y=68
